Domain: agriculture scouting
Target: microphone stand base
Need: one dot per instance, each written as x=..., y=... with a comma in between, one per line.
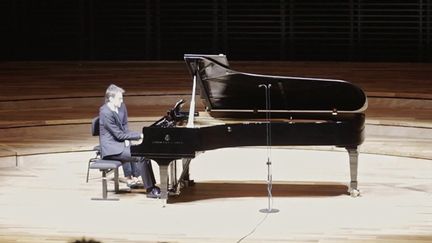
x=268, y=210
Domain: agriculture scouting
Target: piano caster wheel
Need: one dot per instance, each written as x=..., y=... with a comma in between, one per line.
x=354, y=192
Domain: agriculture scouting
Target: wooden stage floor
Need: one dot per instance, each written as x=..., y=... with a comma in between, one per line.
x=46, y=199
x=45, y=114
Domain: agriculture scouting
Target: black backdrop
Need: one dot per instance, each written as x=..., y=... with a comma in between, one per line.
x=337, y=30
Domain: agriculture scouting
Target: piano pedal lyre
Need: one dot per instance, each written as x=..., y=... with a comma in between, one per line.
x=177, y=183
x=172, y=180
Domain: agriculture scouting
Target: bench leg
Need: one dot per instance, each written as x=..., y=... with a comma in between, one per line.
x=88, y=169
x=105, y=188
x=116, y=180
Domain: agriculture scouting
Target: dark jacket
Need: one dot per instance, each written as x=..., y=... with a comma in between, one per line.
x=113, y=130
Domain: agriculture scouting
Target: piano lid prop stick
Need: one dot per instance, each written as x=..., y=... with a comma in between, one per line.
x=191, y=118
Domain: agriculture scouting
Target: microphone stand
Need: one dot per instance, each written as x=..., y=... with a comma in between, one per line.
x=269, y=209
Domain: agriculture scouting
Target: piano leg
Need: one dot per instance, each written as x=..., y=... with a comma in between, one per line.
x=173, y=175
x=164, y=165
x=353, y=158
x=163, y=169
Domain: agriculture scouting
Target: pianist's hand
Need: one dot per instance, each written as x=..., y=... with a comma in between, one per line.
x=135, y=142
x=127, y=143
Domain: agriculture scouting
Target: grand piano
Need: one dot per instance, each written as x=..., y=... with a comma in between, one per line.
x=245, y=109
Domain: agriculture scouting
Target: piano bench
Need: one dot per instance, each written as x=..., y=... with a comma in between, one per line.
x=106, y=166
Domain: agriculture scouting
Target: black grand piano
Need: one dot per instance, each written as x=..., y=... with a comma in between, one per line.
x=240, y=108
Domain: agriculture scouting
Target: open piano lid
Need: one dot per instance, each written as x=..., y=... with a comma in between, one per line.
x=227, y=90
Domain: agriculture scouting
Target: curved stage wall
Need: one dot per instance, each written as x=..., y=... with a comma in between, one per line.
x=47, y=106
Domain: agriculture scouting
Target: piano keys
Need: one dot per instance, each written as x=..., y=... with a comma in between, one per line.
x=301, y=112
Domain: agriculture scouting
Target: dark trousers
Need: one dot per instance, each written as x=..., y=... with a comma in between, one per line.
x=131, y=169
x=143, y=164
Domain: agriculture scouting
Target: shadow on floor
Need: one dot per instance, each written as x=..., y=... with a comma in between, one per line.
x=213, y=190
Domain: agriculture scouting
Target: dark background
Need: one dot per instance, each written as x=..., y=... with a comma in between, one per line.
x=325, y=30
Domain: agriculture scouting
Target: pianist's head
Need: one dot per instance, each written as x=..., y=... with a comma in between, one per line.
x=114, y=95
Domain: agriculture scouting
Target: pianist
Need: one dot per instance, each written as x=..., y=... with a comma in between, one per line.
x=115, y=138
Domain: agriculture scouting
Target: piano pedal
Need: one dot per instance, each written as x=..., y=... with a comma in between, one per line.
x=173, y=192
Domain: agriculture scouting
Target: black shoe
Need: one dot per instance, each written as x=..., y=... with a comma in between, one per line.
x=136, y=186
x=153, y=188
x=153, y=193
x=157, y=189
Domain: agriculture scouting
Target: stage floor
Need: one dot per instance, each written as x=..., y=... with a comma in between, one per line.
x=46, y=199
x=45, y=129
